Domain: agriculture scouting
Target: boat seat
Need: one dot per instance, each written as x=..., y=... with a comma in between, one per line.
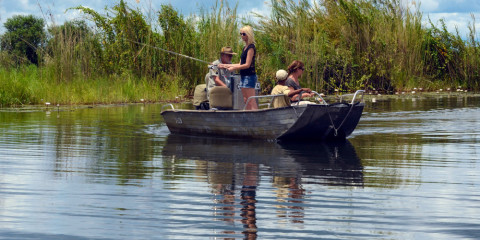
x=221, y=98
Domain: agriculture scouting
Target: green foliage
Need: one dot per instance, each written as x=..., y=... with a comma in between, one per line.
x=23, y=36
x=73, y=50
x=345, y=45
x=37, y=85
x=7, y=60
x=178, y=36
x=127, y=41
x=17, y=86
x=119, y=32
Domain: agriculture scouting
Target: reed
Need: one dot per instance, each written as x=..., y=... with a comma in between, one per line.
x=33, y=85
x=345, y=44
x=377, y=45
x=17, y=86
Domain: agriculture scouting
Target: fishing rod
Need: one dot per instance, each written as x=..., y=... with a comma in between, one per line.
x=178, y=54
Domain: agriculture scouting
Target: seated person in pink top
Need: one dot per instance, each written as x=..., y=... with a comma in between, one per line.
x=295, y=71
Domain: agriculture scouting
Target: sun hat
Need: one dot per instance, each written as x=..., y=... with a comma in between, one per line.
x=227, y=50
x=281, y=75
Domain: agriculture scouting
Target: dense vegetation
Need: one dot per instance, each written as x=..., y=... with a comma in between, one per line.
x=345, y=44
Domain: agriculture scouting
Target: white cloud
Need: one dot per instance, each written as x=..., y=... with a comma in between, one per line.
x=26, y=5
x=429, y=5
x=263, y=10
x=453, y=21
x=3, y=11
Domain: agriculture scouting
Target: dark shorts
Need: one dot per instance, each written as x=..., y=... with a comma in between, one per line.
x=249, y=191
x=248, y=81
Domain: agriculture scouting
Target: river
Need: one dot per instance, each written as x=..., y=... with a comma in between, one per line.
x=409, y=171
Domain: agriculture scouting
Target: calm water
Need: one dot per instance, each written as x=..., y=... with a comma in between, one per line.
x=410, y=171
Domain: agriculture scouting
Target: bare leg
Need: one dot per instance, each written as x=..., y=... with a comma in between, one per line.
x=248, y=92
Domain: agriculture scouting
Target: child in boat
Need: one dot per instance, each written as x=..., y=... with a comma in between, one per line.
x=282, y=89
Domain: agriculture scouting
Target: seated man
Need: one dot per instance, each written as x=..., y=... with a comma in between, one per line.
x=220, y=77
x=281, y=88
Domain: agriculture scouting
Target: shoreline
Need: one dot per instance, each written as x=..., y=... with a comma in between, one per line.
x=367, y=97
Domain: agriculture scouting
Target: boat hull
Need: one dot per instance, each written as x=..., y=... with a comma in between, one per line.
x=312, y=122
x=322, y=122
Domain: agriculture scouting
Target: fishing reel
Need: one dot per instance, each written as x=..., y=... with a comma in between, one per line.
x=214, y=67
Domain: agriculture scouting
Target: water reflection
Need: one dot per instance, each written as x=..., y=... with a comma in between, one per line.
x=332, y=163
x=233, y=169
x=110, y=143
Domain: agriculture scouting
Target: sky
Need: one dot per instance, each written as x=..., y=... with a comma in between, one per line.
x=456, y=13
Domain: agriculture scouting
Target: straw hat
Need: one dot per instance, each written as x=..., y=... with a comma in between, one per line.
x=227, y=50
x=281, y=75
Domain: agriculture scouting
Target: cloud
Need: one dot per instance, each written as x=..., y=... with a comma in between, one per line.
x=453, y=21
x=429, y=5
x=25, y=5
x=449, y=6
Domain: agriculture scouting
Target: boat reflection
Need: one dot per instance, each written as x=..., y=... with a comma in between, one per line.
x=233, y=169
x=328, y=163
x=331, y=163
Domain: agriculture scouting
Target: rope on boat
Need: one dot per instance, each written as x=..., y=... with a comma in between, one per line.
x=295, y=110
x=343, y=121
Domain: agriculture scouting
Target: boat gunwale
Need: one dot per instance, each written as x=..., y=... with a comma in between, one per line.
x=258, y=110
x=235, y=110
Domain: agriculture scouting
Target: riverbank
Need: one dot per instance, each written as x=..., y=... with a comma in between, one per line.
x=182, y=102
x=423, y=94
x=36, y=86
x=27, y=86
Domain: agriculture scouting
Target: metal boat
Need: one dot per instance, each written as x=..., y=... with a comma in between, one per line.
x=319, y=121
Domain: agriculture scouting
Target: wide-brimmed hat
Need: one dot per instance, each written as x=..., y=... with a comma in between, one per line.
x=227, y=50
x=281, y=75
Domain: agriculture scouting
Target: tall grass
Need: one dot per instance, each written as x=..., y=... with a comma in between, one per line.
x=345, y=45
x=18, y=86
x=33, y=85
x=121, y=31
x=72, y=51
x=366, y=44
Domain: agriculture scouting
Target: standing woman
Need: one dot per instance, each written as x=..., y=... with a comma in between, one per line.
x=246, y=67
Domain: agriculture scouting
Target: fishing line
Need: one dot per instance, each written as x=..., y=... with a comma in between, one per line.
x=178, y=54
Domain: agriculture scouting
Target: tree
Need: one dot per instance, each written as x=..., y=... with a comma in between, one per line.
x=23, y=36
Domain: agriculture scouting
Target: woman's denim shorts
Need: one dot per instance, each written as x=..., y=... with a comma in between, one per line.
x=248, y=81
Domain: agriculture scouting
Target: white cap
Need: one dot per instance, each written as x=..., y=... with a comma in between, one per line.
x=281, y=75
